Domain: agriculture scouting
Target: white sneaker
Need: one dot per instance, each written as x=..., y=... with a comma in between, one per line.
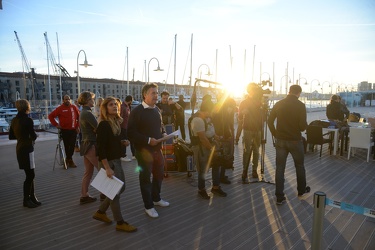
x=152, y=213
x=162, y=203
x=133, y=157
x=125, y=159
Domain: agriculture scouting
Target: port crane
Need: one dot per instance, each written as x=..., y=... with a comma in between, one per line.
x=58, y=70
x=36, y=89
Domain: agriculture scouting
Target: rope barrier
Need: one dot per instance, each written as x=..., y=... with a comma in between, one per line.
x=320, y=201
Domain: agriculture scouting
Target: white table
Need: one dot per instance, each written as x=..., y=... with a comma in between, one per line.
x=335, y=137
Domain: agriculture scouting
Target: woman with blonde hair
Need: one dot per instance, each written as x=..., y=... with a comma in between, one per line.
x=109, y=150
x=22, y=129
x=88, y=125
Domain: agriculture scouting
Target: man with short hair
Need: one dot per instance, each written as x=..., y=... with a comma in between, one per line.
x=202, y=136
x=168, y=108
x=290, y=114
x=145, y=129
x=252, y=116
x=68, y=124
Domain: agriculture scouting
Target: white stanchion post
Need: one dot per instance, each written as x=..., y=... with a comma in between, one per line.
x=317, y=228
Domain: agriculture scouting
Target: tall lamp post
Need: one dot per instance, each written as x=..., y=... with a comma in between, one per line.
x=311, y=84
x=85, y=64
x=286, y=84
x=299, y=82
x=148, y=68
x=329, y=84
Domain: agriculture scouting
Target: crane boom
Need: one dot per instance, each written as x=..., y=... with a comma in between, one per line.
x=35, y=87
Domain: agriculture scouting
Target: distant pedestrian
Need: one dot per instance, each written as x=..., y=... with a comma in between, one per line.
x=125, y=112
x=68, y=116
x=180, y=116
x=290, y=114
x=97, y=108
x=168, y=108
x=22, y=129
x=88, y=125
x=145, y=128
x=109, y=150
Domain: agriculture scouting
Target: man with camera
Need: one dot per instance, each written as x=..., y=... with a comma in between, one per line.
x=253, y=116
x=202, y=140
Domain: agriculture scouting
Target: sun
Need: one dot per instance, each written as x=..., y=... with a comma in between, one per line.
x=234, y=86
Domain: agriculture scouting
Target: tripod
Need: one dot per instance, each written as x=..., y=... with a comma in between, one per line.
x=263, y=141
x=60, y=153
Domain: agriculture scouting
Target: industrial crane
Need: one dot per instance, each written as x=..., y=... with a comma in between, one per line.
x=58, y=69
x=36, y=89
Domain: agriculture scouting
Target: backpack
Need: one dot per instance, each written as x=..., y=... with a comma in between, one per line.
x=194, y=140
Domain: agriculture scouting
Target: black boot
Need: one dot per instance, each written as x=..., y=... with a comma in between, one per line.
x=28, y=203
x=33, y=197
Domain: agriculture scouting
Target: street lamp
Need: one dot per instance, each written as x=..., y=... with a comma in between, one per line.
x=311, y=84
x=331, y=85
x=200, y=72
x=148, y=68
x=269, y=83
x=299, y=83
x=286, y=84
x=85, y=64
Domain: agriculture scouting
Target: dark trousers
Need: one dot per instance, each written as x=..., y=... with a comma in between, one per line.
x=69, y=138
x=180, y=123
x=150, y=162
x=28, y=184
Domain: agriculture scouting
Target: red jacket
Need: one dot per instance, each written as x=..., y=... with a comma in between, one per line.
x=68, y=116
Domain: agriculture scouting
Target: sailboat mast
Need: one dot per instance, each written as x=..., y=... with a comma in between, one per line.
x=191, y=59
x=174, y=74
x=58, y=59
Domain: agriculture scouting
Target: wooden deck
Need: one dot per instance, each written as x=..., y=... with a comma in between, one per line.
x=247, y=219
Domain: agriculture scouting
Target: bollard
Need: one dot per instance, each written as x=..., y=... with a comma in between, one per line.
x=317, y=228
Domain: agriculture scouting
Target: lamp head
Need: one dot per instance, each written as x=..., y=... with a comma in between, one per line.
x=85, y=64
x=158, y=69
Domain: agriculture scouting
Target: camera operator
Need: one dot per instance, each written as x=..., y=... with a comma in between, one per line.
x=252, y=114
x=202, y=140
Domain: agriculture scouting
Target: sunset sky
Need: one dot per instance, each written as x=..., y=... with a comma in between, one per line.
x=320, y=41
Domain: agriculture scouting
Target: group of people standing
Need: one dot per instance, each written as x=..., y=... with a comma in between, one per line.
x=104, y=140
x=102, y=146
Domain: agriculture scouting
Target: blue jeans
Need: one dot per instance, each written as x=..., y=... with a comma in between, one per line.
x=201, y=161
x=295, y=148
x=251, y=143
x=150, y=162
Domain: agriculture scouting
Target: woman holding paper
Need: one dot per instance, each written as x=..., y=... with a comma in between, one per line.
x=109, y=150
x=22, y=129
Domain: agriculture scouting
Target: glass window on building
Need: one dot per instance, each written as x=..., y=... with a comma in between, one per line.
x=17, y=83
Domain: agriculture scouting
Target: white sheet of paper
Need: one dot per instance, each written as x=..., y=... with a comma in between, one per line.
x=171, y=135
x=32, y=160
x=107, y=186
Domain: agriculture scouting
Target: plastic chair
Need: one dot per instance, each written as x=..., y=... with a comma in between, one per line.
x=315, y=136
x=360, y=138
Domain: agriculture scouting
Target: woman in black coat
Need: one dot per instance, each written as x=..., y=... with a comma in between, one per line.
x=22, y=129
